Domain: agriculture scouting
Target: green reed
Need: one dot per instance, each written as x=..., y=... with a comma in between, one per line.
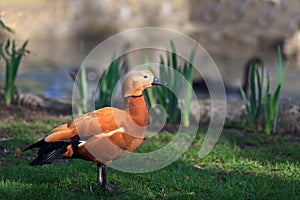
x=12, y=57
x=270, y=101
x=81, y=84
x=172, y=72
x=109, y=80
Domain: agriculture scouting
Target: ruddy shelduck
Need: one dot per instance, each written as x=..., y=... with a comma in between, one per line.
x=103, y=135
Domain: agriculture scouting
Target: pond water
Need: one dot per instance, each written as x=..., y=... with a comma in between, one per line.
x=46, y=70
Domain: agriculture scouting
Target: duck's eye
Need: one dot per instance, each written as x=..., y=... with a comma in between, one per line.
x=145, y=76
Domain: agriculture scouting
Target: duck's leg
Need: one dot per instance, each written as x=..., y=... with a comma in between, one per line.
x=102, y=175
x=102, y=179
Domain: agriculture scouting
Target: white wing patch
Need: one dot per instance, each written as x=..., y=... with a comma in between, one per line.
x=108, y=134
x=101, y=135
x=81, y=143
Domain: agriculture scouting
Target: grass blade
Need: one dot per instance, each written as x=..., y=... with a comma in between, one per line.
x=248, y=108
x=274, y=106
x=12, y=59
x=267, y=113
x=150, y=91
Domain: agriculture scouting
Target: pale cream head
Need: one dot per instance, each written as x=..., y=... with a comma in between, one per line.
x=136, y=82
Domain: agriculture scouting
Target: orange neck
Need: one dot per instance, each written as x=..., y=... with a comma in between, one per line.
x=138, y=110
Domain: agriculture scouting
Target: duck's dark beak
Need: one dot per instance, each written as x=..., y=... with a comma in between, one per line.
x=158, y=82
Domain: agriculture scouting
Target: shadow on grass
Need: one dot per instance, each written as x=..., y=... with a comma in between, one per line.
x=264, y=148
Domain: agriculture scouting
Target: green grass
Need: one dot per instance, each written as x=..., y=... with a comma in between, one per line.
x=265, y=168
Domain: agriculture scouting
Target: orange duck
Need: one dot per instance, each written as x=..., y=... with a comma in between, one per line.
x=103, y=135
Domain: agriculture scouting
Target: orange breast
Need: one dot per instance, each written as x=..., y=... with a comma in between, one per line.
x=126, y=141
x=105, y=141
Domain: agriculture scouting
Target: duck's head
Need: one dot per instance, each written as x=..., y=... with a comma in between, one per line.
x=137, y=81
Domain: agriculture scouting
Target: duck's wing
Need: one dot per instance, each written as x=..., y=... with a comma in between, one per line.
x=94, y=123
x=101, y=122
x=65, y=139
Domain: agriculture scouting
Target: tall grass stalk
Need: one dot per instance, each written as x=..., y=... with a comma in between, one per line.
x=271, y=102
x=187, y=88
x=171, y=71
x=81, y=84
x=4, y=27
x=12, y=58
x=109, y=80
x=150, y=92
x=253, y=102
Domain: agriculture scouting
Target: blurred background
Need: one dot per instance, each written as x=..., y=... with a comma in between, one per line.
x=231, y=31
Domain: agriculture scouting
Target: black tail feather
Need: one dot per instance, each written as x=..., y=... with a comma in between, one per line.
x=48, y=152
x=49, y=157
x=35, y=145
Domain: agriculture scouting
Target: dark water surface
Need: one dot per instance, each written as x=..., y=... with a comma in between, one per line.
x=46, y=70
